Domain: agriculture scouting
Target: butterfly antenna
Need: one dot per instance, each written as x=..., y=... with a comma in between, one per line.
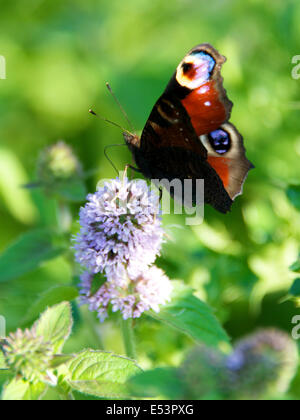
x=120, y=106
x=108, y=158
x=91, y=111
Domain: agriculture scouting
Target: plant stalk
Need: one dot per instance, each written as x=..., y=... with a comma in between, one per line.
x=128, y=338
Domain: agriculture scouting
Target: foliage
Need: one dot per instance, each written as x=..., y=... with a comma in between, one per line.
x=260, y=366
x=91, y=372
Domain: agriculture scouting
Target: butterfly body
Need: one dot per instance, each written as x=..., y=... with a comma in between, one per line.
x=188, y=136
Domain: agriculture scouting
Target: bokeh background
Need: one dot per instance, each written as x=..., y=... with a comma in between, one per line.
x=59, y=55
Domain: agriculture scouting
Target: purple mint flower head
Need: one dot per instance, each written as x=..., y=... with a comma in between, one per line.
x=148, y=290
x=120, y=226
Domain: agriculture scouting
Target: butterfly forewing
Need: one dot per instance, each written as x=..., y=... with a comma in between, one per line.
x=187, y=135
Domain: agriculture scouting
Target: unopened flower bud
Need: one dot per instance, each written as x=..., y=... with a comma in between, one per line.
x=262, y=364
x=58, y=163
x=28, y=355
x=204, y=373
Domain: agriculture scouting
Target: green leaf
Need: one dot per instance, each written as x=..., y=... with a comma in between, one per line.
x=163, y=382
x=191, y=316
x=28, y=253
x=101, y=374
x=4, y=372
x=55, y=325
x=20, y=390
x=49, y=298
x=72, y=190
x=100, y=389
x=296, y=266
x=293, y=193
x=60, y=359
x=295, y=289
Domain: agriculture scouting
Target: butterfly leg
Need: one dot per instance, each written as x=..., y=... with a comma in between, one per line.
x=132, y=168
x=160, y=194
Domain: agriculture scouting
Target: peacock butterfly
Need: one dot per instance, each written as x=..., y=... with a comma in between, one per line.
x=188, y=134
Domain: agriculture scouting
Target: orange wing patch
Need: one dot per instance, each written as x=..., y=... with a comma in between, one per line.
x=220, y=165
x=206, y=102
x=205, y=108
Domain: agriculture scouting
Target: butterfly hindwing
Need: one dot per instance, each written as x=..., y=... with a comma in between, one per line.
x=170, y=149
x=226, y=154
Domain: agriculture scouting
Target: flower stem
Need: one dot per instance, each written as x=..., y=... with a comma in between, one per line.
x=128, y=338
x=64, y=217
x=90, y=322
x=71, y=397
x=65, y=395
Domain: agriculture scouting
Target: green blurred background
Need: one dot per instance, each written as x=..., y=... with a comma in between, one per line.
x=59, y=55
